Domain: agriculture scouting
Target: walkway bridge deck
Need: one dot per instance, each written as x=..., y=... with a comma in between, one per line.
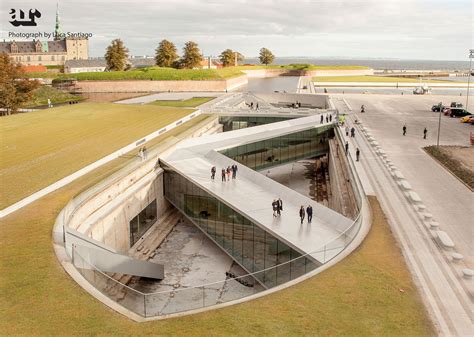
x=251, y=194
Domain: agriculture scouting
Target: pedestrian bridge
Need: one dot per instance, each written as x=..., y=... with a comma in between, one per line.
x=237, y=214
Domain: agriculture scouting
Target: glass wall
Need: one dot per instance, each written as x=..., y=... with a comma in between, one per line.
x=280, y=150
x=249, y=245
x=142, y=222
x=241, y=122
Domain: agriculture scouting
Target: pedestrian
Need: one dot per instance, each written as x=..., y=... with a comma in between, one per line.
x=280, y=206
x=234, y=171
x=337, y=149
x=309, y=210
x=330, y=118
x=425, y=131
x=228, y=173
x=347, y=147
x=140, y=153
x=322, y=116
x=256, y=106
x=213, y=172
x=327, y=119
x=49, y=103
x=145, y=153
x=251, y=105
x=353, y=132
x=357, y=154
x=404, y=130
x=223, y=175
x=302, y=213
x=347, y=131
x=275, y=207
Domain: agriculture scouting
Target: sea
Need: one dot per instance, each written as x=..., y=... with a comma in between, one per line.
x=377, y=64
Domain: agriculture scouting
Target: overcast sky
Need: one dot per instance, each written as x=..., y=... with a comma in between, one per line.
x=434, y=29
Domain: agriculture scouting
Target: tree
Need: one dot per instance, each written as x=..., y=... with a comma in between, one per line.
x=116, y=55
x=266, y=56
x=191, y=55
x=227, y=57
x=15, y=89
x=166, y=54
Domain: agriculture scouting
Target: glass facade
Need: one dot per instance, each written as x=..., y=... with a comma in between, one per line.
x=283, y=149
x=142, y=222
x=240, y=122
x=249, y=245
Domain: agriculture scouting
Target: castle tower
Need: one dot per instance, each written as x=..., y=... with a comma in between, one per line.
x=57, y=27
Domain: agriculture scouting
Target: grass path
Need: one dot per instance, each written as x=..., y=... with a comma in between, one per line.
x=39, y=148
x=360, y=296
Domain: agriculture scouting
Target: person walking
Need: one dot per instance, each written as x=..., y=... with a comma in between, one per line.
x=234, y=171
x=347, y=131
x=357, y=154
x=223, y=175
x=302, y=214
x=330, y=118
x=213, y=172
x=275, y=207
x=353, y=132
x=327, y=119
x=425, y=131
x=145, y=153
x=228, y=173
x=404, y=129
x=256, y=106
x=280, y=206
x=309, y=210
x=337, y=149
x=140, y=153
x=322, y=119
x=347, y=147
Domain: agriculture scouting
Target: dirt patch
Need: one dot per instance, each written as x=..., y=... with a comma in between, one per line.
x=459, y=160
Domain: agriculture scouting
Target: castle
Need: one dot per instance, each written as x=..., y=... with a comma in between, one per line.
x=55, y=52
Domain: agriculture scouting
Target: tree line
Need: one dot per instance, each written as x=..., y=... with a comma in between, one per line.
x=166, y=55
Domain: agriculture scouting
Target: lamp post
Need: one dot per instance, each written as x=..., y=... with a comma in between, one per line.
x=471, y=56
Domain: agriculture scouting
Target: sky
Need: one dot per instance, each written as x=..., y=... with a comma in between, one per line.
x=395, y=29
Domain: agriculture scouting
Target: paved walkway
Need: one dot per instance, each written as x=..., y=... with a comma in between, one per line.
x=446, y=294
x=168, y=96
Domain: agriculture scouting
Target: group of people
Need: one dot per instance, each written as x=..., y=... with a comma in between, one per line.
x=328, y=118
x=309, y=211
x=251, y=106
x=143, y=153
x=351, y=131
x=404, y=131
x=226, y=173
x=346, y=148
x=277, y=206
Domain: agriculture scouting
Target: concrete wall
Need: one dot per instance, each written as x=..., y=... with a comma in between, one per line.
x=159, y=86
x=103, y=212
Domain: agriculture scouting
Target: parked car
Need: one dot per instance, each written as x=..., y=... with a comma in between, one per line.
x=456, y=105
x=457, y=112
x=438, y=107
x=466, y=119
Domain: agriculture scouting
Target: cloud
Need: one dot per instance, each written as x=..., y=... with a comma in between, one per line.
x=403, y=29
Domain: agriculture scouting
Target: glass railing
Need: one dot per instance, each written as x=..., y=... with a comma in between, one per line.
x=197, y=297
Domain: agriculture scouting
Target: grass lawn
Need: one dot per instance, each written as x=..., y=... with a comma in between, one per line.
x=368, y=78
x=358, y=297
x=158, y=74
x=302, y=66
x=456, y=159
x=41, y=95
x=39, y=148
x=188, y=103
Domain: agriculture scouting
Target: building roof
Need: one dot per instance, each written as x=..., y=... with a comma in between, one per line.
x=29, y=46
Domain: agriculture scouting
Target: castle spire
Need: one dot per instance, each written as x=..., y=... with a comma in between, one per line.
x=57, y=27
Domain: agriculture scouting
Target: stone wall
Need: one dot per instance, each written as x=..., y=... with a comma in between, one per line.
x=158, y=86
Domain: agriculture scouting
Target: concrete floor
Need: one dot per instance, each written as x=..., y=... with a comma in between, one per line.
x=449, y=200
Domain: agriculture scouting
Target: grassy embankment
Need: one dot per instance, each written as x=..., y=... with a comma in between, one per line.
x=39, y=148
x=41, y=95
x=360, y=296
x=369, y=78
x=457, y=168
x=187, y=103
